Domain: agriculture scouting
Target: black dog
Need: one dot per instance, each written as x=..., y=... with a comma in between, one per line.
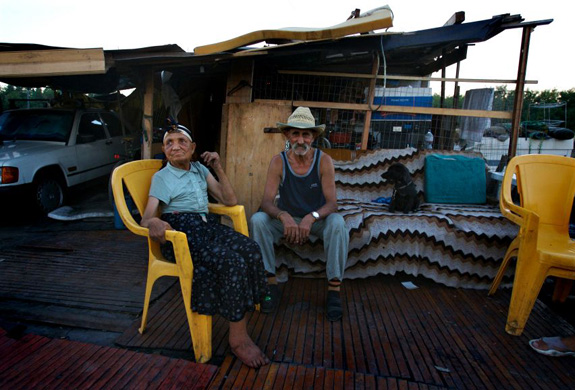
x=404, y=197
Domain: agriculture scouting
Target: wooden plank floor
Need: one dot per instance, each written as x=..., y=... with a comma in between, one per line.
x=433, y=336
x=92, y=279
x=36, y=362
x=233, y=374
x=390, y=337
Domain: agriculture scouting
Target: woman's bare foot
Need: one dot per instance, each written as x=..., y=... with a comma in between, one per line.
x=243, y=346
x=249, y=354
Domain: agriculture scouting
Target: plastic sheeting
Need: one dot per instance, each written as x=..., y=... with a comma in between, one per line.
x=472, y=128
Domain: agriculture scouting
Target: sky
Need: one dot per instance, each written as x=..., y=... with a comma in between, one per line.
x=133, y=24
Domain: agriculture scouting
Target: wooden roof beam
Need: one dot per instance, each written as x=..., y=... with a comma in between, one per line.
x=507, y=115
x=61, y=62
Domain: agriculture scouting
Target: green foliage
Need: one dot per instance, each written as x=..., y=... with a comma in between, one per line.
x=503, y=101
x=12, y=96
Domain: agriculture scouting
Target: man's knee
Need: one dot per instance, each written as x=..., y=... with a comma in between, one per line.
x=258, y=219
x=336, y=223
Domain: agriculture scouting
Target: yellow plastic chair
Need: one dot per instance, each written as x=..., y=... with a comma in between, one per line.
x=546, y=186
x=136, y=177
x=509, y=254
x=562, y=286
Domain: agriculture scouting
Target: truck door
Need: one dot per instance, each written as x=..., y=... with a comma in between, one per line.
x=94, y=149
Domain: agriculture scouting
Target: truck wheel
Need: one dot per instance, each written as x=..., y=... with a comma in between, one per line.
x=49, y=194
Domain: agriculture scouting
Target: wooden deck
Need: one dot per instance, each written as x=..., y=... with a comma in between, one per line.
x=89, y=279
x=36, y=362
x=432, y=337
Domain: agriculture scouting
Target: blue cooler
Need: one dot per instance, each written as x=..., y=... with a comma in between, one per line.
x=455, y=179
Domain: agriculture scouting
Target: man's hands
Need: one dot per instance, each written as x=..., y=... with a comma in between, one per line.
x=294, y=233
x=157, y=229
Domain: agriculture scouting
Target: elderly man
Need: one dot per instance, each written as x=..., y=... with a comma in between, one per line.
x=306, y=208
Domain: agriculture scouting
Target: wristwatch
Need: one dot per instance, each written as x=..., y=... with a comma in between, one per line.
x=315, y=215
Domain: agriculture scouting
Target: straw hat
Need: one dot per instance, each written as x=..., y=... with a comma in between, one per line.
x=301, y=118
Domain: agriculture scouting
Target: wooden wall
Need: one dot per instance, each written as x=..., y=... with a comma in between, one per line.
x=248, y=150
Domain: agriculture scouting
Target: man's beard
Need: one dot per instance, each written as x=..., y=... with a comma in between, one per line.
x=300, y=150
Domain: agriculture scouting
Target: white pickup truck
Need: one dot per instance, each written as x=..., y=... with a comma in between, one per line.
x=45, y=151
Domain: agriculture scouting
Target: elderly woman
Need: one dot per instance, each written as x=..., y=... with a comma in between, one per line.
x=229, y=277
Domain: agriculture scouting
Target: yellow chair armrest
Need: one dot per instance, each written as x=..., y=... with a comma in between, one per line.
x=510, y=210
x=516, y=214
x=129, y=221
x=181, y=253
x=176, y=237
x=236, y=213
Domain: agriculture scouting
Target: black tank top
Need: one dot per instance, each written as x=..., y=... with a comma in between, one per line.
x=301, y=194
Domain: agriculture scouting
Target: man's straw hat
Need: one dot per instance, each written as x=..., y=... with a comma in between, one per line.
x=301, y=118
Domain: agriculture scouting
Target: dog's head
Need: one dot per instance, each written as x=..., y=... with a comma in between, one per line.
x=397, y=174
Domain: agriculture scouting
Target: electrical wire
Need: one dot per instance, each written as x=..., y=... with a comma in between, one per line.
x=377, y=73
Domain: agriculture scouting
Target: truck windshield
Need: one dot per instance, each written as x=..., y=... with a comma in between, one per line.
x=39, y=125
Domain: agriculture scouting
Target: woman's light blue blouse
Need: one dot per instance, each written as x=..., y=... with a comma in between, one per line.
x=180, y=190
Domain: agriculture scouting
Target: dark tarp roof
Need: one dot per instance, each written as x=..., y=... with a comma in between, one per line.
x=418, y=53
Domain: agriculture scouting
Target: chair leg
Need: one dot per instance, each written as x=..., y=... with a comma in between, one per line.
x=200, y=328
x=562, y=290
x=149, y=286
x=511, y=252
x=527, y=284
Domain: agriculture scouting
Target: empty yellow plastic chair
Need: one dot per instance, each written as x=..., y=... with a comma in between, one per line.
x=546, y=186
x=562, y=286
x=136, y=177
x=509, y=254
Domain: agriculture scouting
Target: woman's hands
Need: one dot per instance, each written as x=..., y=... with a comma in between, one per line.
x=212, y=160
x=157, y=229
x=220, y=189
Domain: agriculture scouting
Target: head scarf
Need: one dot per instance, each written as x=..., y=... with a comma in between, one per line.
x=175, y=127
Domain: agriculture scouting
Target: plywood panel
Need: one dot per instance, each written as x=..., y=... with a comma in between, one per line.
x=249, y=150
x=240, y=81
x=344, y=154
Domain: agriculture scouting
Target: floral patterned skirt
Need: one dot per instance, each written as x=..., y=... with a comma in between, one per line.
x=229, y=277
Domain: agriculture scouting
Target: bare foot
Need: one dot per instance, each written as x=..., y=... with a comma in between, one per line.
x=249, y=353
x=243, y=346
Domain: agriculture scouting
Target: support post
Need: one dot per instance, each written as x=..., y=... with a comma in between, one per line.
x=439, y=138
x=519, y=89
x=147, y=119
x=370, y=96
x=455, y=105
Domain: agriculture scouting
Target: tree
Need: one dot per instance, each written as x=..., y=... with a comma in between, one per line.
x=503, y=101
x=569, y=98
x=10, y=92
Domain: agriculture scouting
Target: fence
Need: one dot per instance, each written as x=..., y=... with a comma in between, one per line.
x=362, y=113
